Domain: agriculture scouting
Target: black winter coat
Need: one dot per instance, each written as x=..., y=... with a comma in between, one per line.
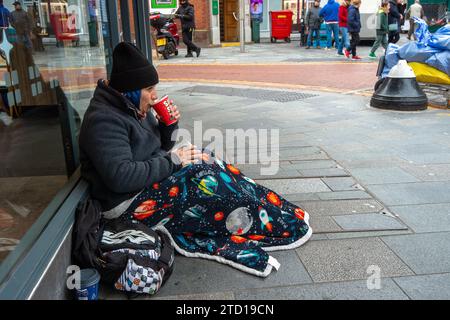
x=121, y=153
x=394, y=14
x=187, y=16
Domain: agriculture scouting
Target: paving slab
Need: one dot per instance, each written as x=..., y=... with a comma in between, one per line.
x=107, y=293
x=341, y=184
x=352, y=290
x=349, y=259
x=370, y=221
x=424, y=253
x=437, y=172
x=321, y=224
x=299, y=151
x=302, y=157
x=316, y=164
x=365, y=234
x=386, y=162
x=428, y=158
x=195, y=276
x=425, y=218
x=412, y=193
x=325, y=172
x=302, y=196
x=374, y=156
x=280, y=174
x=318, y=236
x=289, y=186
x=382, y=175
x=344, y=195
x=424, y=148
x=340, y=207
x=201, y=296
x=427, y=287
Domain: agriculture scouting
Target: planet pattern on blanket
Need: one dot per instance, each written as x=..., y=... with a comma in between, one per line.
x=213, y=211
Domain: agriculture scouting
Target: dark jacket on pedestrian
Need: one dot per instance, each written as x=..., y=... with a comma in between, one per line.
x=330, y=11
x=120, y=152
x=354, y=20
x=187, y=16
x=382, y=23
x=21, y=21
x=313, y=21
x=5, y=16
x=394, y=14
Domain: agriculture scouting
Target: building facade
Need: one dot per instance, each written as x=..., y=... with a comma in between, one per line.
x=217, y=21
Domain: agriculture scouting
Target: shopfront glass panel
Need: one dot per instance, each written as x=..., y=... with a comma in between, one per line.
x=125, y=14
x=53, y=53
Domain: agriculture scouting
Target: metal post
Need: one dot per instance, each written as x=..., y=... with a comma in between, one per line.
x=242, y=24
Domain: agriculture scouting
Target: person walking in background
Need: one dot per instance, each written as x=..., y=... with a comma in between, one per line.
x=344, y=44
x=5, y=16
x=401, y=5
x=21, y=21
x=186, y=15
x=313, y=22
x=382, y=29
x=330, y=13
x=354, y=26
x=415, y=11
x=394, y=18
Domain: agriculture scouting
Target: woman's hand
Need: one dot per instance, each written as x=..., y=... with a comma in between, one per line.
x=175, y=113
x=188, y=155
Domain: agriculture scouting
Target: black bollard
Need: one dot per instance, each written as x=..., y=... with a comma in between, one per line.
x=400, y=91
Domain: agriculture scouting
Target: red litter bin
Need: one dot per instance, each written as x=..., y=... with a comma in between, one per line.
x=281, y=25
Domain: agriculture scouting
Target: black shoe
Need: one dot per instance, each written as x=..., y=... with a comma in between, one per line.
x=189, y=55
x=198, y=51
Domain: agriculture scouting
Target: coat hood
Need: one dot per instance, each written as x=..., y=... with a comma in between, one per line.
x=109, y=97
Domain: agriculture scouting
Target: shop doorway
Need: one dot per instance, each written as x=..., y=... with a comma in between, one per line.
x=296, y=7
x=229, y=20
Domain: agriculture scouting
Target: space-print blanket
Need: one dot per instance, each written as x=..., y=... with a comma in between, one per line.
x=213, y=211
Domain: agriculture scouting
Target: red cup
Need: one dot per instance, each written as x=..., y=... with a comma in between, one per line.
x=163, y=109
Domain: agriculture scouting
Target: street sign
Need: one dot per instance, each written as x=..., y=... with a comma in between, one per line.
x=215, y=7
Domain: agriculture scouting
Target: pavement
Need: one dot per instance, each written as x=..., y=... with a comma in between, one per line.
x=376, y=184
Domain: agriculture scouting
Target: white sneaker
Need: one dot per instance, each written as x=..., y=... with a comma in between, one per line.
x=7, y=120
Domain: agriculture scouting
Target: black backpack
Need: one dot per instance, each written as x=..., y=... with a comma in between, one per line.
x=127, y=254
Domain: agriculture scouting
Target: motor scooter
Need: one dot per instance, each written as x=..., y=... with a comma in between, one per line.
x=167, y=37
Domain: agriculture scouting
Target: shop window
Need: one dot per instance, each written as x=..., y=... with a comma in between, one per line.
x=294, y=6
x=52, y=55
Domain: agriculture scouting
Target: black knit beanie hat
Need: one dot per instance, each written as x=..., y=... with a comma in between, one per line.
x=131, y=69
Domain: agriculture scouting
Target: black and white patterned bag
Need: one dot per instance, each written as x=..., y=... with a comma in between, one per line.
x=145, y=256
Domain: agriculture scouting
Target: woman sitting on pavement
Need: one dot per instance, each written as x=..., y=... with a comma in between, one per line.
x=207, y=206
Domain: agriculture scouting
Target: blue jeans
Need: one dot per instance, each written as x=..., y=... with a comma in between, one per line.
x=313, y=34
x=25, y=40
x=332, y=27
x=345, y=41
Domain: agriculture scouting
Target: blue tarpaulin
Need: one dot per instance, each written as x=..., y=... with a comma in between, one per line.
x=432, y=49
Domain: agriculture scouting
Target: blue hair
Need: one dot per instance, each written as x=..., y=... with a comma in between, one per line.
x=134, y=97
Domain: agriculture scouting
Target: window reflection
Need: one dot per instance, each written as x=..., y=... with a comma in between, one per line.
x=52, y=54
